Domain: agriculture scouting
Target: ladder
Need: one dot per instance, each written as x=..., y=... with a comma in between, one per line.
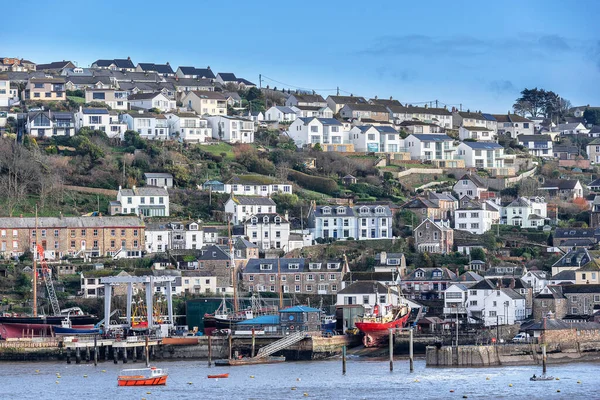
x=281, y=344
x=47, y=275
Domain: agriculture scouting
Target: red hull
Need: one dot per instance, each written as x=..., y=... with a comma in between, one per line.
x=376, y=331
x=136, y=381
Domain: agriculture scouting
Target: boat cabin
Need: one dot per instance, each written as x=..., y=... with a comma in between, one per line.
x=300, y=318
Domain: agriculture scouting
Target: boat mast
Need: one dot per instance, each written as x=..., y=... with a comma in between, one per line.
x=233, y=269
x=35, y=265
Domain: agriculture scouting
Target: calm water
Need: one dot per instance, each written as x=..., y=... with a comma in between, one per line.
x=318, y=379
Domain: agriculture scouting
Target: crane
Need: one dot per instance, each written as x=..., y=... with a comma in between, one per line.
x=47, y=275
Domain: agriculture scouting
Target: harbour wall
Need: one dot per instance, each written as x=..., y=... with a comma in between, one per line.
x=510, y=354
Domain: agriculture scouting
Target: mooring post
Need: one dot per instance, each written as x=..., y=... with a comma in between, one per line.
x=134, y=354
x=87, y=354
x=147, y=351
x=77, y=355
x=253, y=342
x=124, y=355
x=230, y=345
x=115, y=352
x=391, y=340
x=344, y=359
x=106, y=353
x=68, y=355
x=410, y=351
x=95, y=350
x=209, y=350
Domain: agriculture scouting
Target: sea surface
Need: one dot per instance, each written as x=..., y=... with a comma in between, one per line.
x=298, y=380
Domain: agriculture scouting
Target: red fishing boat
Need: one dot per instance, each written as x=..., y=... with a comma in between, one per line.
x=377, y=324
x=143, y=377
x=218, y=376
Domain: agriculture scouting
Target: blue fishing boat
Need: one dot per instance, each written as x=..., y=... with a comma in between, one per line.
x=67, y=329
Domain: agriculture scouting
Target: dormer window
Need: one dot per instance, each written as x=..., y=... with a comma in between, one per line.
x=314, y=266
x=277, y=220
x=332, y=266
x=266, y=267
x=341, y=210
x=437, y=274
x=254, y=220
x=294, y=266
x=419, y=274
x=379, y=210
x=326, y=210
x=265, y=220
x=364, y=210
x=393, y=261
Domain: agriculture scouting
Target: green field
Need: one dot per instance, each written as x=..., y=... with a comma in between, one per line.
x=217, y=149
x=78, y=100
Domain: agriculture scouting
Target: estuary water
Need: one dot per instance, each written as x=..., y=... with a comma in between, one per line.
x=298, y=380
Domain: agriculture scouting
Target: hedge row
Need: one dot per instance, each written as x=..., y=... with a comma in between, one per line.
x=315, y=183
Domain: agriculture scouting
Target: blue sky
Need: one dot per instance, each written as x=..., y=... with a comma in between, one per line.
x=478, y=53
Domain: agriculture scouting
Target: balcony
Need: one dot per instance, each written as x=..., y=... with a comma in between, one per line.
x=454, y=310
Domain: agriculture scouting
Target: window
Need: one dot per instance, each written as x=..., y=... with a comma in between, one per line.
x=297, y=278
x=310, y=277
x=251, y=278
x=492, y=313
x=332, y=278
x=309, y=288
x=83, y=232
x=95, y=232
x=55, y=233
x=297, y=288
x=98, y=96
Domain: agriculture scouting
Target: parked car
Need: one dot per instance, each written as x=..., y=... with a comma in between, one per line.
x=520, y=338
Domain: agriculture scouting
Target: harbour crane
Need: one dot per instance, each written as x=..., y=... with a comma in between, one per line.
x=47, y=276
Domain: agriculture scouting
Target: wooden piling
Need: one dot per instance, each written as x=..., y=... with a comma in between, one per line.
x=410, y=351
x=87, y=354
x=391, y=342
x=209, y=350
x=230, y=345
x=115, y=352
x=544, y=359
x=344, y=360
x=77, y=355
x=134, y=354
x=147, y=352
x=95, y=351
x=253, y=342
x=124, y=354
x=68, y=355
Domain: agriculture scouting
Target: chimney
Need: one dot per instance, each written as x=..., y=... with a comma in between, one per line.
x=383, y=257
x=129, y=58
x=168, y=63
x=60, y=215
x=286, y=216
x=375, y=97
x=208, y=67
x=391, y=98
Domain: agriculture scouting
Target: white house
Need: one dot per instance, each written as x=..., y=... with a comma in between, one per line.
x=47, y=123
x=280, y=114
x=375, y=138
x=311, y=100
x=538, y=280
x=526, y=212
x=479, y=133
x=481, y=154
x=470, y=185
x=325, y=131
x=147, y=201
x=361, y=222
x=366, y=294
x=149, y=125
x=467, y=118
x=100, y=119
x=268, y=231
x=430, y=147
x=437, y=116
x=254, y=185
x=231, y=129
x=116, y=99
x=5, y=95
x=514, y=125
x=189, y=127
x=157, y=237
x=146, y=101
x=312, y=111
x=455, y=300
x=476, y=216
x=205, y=102
x=573, y=128
x=537, y=145
x=243, y=207
x=495, y=305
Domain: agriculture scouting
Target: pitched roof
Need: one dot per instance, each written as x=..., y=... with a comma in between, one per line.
x=143, y=96
x=145, y=191
x=566, y=149
x=561, y=184
x=476, y=128
x=367, y=107
x=227, y=76
x=534, y=138
x=324, y=121
x=208, y=94
x=418, y=110
x=245, y=82
x=482, y=145
x=53, y=65
x=568, y=233
x=592, y=288
x=160, y=68
x=309, y=98
x=578, y=257
x=347, y=99
x=214, y=253
x=471, y=115
x=475, y=179
x=297, y=309
x=568, y=275
x=201, y=72
x=57, y=222
x=428, y=274
x=94, y=111
x=594, y=183
x=364, y=287
x=253, y=201
x=432, y=138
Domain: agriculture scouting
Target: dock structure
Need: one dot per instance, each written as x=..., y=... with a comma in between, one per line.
x=148, y=282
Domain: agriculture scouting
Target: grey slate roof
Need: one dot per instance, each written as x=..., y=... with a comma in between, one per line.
x=213, y=253
x=145, y=191
x=253, y=201
x=52, y=65
x=561, y=184
x=364, y=287
x=64, y=222
x=475, y=179
x=574, y=258
x=94, y=111
x=483, y=145
x=158, y=175
x=324, y=121
x=143, y=96
x=418, y=110
x=261, y=217
x=447, y=275
x=160, y=68
x=368, y=211
x=367, y=107
x=561, y=233
x=534, y=138
x=227, y=76
x=432, y=138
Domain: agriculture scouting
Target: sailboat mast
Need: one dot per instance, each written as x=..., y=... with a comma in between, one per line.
x=35, y=265
x=233, y=269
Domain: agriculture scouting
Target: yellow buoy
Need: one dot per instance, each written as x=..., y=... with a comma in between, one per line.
x=578, y=381
x=557, y=379
x=293, y=387
x=416, y=380
x=103, y=370
x=189, y=383
x=252, y=376
x=487, y=378
x=510, y=385
x=148, y=392
x=85, y=376
x=56, y=381
x=305, y=394
x=37, y=370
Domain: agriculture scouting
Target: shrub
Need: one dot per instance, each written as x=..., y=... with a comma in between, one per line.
x=318, y=184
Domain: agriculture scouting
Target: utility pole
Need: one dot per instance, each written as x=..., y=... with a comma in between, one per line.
x=460, y=106
x=260, y=81
x=436, y=104
x=338, y=91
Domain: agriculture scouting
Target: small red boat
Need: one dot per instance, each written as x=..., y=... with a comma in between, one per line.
x=376, y=326
x=143, y=377
x=218, y=376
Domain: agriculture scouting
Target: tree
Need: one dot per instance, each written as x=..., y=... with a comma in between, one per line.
x=540, y=102
x=592, y=116
x=477, y=254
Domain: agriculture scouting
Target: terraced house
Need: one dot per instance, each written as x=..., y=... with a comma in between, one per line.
x=294, y=275
x=119, y=237
x=361, y=222
x=147, y=201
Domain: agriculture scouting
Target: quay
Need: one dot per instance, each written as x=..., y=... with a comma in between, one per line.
x=510, y=354
x=132, y=348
